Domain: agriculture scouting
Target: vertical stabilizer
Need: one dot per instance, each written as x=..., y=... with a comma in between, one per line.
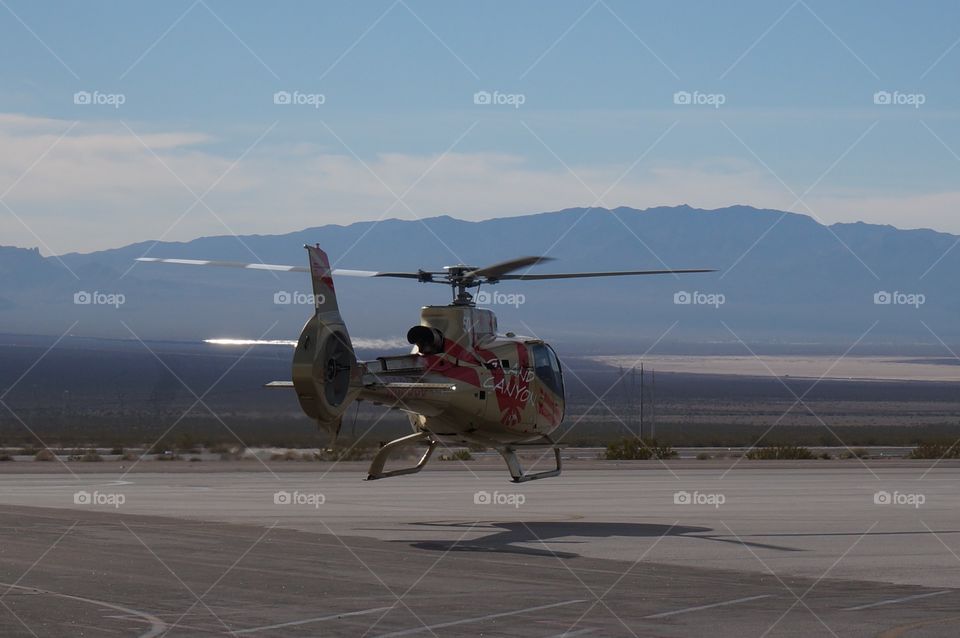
x=326, y=374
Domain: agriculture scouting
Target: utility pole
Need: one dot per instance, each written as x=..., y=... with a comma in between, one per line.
x=653, y=403
x=641, y=400
x=628, y=387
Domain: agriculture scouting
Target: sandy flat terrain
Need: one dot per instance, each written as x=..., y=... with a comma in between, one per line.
x=849, y=367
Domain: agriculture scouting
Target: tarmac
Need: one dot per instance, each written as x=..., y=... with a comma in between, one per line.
x=683, y=548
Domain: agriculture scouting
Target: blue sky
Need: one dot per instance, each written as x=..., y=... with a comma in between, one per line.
x=598, y=123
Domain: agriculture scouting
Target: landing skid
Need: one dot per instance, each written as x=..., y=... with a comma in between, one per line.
x=509, y=455
x=380, y=460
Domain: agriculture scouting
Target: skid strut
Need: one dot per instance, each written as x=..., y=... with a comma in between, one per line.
x=376, y=467
x=509, y=455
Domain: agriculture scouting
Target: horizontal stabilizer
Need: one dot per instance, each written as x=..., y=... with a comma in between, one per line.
x=415, y=386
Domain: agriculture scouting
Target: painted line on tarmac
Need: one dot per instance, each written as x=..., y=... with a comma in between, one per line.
x=725, y=603
x=894, y=601
x=157, y=626
x=452, y=623
x=306, y=621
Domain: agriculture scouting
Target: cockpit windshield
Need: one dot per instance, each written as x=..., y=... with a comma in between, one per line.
x=547, y=367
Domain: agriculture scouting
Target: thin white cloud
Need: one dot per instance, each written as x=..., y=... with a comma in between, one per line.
x=99, y=187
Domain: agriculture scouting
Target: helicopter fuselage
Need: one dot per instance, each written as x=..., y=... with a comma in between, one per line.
x=501, y=389
x=463, y=383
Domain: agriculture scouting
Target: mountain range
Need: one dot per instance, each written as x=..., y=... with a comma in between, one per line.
x=782, y=278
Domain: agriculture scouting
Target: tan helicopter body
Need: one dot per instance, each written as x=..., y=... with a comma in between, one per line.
x=463, y=383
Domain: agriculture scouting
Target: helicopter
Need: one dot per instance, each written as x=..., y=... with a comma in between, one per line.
x=463, y=382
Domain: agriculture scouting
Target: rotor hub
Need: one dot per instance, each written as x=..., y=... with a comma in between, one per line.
x=461, y=278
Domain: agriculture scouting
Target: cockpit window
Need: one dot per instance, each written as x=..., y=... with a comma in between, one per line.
x=547, y=367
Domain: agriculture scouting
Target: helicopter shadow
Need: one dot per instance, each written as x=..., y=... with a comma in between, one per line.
x=513, y=537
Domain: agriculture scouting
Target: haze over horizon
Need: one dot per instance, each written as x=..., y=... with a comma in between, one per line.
x=151, y=241
x=800, y=281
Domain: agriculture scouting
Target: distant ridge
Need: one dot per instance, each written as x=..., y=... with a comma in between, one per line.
x=784, y=277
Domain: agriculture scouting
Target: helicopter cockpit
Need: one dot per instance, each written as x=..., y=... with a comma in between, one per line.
x=547, y=367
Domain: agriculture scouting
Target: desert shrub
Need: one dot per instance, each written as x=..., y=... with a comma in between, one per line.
x=178, y=442
x=45, y=455
x=459, y=455
x=357, y=453
x=855, y=453
x=779, y=452
x=84, y=455
x=732, y=454
x=703, y=456
x=634, y=449
x=289, y=455
x=936, y=451
x=229, y=453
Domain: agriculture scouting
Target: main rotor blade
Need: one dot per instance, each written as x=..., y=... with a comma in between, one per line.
x=225, y=264
x=496, y=271
x=278, y=267
x=577, y=275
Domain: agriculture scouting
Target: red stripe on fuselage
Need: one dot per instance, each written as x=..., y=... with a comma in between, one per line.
x=512, y=390
x=440, y=364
